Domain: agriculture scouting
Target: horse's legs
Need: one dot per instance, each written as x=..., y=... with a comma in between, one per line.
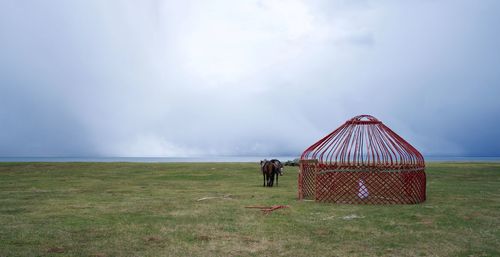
x=264, y=176
x=270, y=180
x=277, y=176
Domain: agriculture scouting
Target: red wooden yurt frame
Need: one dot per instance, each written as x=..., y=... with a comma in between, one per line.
x=362, y=162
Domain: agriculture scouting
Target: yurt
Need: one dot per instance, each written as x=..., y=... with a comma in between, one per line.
x=362, y=162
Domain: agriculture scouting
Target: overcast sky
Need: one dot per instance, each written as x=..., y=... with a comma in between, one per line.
x=225, y=77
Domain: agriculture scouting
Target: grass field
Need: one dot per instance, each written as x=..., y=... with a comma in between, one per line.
x=137, y=209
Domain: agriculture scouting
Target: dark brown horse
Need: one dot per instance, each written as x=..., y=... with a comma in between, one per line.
x=271, y=169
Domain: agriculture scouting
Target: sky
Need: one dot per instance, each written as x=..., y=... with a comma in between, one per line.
x=168, y=78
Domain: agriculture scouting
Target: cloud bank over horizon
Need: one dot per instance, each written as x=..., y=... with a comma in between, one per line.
x=191, y=78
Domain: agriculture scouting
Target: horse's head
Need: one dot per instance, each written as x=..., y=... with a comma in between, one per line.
x=280, y=169
x=278, y=165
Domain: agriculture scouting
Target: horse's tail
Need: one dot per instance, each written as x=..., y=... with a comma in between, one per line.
x=268, y=170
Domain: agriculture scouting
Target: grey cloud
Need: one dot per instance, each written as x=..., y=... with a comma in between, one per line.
x=163, y=78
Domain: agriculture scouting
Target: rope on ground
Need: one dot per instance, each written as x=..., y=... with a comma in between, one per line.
x=268, y=209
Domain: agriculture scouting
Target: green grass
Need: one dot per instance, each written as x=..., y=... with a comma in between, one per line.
x=137, y=209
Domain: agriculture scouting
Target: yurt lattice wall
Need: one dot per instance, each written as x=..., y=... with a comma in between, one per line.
x=362, y=162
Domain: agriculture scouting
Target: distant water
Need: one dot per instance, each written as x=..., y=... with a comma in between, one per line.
x=215, y=159
x=461, y=159
x=147, y=159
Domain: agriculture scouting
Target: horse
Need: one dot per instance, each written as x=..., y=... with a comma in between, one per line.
x=279, y=169
x=270, y=169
